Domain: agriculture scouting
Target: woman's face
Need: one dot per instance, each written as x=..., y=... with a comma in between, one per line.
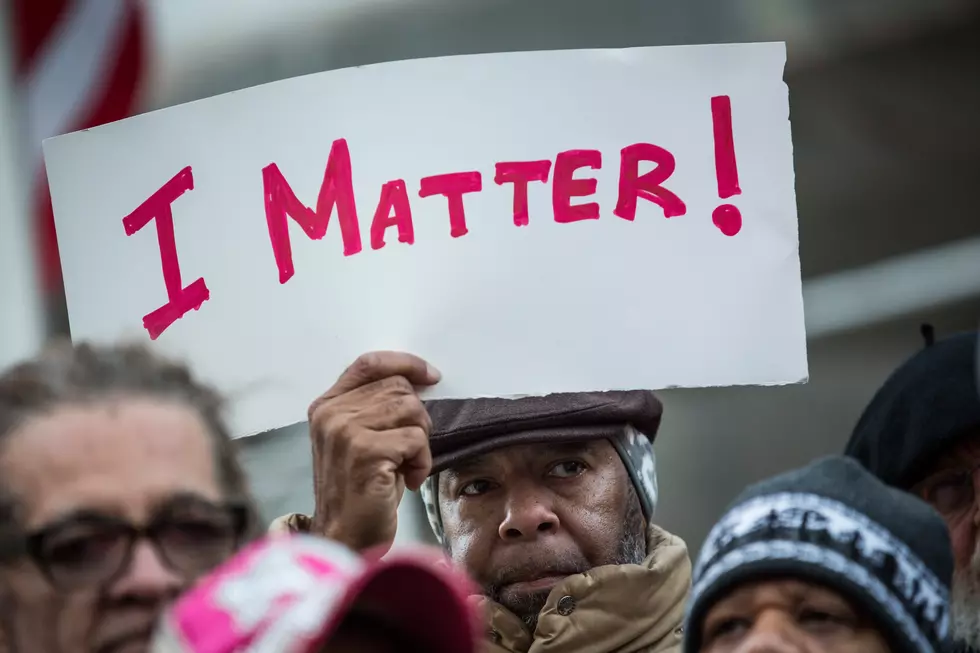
x=83, y=480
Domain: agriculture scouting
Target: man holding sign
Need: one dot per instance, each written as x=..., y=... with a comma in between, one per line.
x=545, y=501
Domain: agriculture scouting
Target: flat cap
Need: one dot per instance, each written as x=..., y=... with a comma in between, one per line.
x=463, y=428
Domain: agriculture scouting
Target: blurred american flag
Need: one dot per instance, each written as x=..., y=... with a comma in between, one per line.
x=78, y=64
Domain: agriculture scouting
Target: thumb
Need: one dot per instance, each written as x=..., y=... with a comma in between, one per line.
x=378, y=365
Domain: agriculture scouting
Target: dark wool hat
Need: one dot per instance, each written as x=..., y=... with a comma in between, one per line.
x=835, y=524
x=925, y=406
x=464, y=428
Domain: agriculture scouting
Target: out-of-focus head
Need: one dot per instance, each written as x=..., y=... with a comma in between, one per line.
x=825, y=559
x=529, y=491
x=118, y=488
x=309, y=595
x=921, y=432
x=787, y=615
x=952, y=486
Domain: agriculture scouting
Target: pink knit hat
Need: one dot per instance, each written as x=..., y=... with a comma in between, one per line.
x=289, y=595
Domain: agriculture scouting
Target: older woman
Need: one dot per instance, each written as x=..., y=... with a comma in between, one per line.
x=118, y=489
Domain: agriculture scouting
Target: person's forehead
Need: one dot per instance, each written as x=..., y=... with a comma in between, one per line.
x=124, y=456
x=788, y=589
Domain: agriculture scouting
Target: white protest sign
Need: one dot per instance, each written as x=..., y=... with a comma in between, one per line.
x=528, y=222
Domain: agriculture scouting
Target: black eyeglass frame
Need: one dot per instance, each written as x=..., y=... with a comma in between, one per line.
x=34, y=542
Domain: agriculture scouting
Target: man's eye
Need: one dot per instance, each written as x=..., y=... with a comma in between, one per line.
x=816, y=616
x=476, y=488
x=950, y=493
x=734, y=627
x=567, y=469
x=821, y=620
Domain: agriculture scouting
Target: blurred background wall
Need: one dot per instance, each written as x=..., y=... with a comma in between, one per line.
x=884, y=103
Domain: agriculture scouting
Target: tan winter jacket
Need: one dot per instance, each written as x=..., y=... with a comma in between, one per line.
x=611, y=609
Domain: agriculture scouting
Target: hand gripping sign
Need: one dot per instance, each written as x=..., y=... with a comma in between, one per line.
x=528, y=222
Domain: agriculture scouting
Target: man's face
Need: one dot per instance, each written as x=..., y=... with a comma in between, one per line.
x=521, y=519
x=76, y=471
x=787, y=616
x=952, y=487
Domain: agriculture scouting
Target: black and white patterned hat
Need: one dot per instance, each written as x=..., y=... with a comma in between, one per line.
x=834, y=523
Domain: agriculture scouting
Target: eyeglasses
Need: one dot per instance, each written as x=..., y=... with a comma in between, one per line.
x=90, y=549
x=951, y=492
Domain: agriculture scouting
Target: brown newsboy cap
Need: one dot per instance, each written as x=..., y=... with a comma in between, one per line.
x=463, y=428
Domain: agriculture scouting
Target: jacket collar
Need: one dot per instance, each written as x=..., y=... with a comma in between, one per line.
x=623, y=608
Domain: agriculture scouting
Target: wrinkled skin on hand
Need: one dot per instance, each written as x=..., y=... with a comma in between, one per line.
x=370, y=439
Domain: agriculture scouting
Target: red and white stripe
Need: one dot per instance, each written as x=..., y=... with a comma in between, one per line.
x=79, y=64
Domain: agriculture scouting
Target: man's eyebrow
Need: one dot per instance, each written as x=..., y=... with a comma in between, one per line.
x=466, y=466
x=569, y=448
x=548, y=449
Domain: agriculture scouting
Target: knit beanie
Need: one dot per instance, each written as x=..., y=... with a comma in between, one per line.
x=462, y=429
x=836, y=525
x=921, y=410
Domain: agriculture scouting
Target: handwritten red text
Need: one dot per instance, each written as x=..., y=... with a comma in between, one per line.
x=571, y=185
x=180, y=299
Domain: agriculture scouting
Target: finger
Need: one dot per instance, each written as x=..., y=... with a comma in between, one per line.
x=395, y=412
x=359, y=398
x=412, y=443
x=386, y=389
x=418, y=469
x=377, y=391
x=378, y=365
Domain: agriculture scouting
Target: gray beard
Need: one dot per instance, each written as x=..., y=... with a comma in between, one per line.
x=965, y=604
x=632, y=551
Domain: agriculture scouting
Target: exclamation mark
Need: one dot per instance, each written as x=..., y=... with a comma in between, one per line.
x=726, y=217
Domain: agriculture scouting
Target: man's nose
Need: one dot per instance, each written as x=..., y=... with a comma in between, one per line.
x=773, y=632
x=147, y=577
x=529, y=515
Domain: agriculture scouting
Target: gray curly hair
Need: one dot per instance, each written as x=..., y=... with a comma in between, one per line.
x=74, y=374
